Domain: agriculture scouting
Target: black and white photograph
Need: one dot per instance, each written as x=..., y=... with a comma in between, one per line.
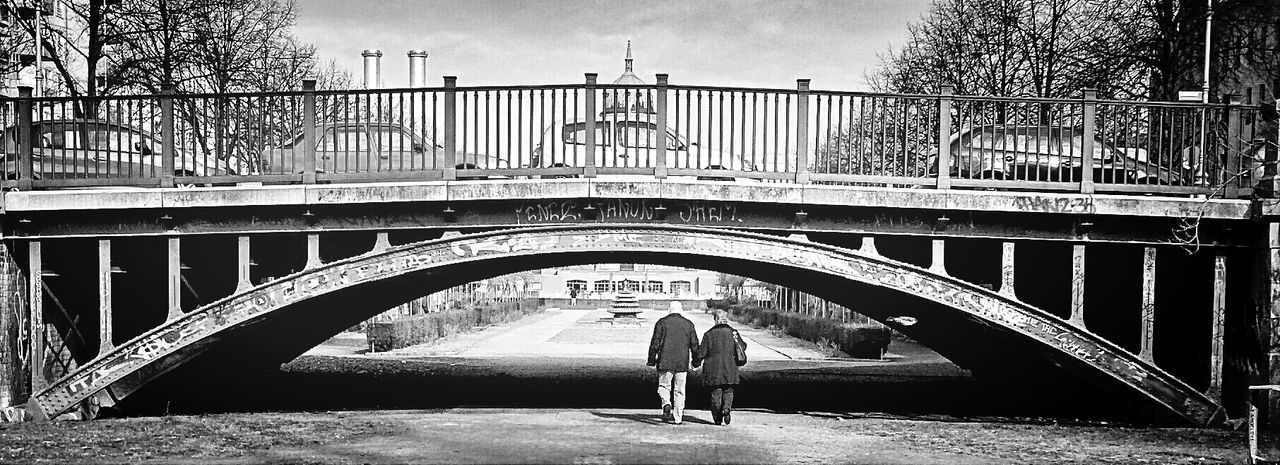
x=600, y=231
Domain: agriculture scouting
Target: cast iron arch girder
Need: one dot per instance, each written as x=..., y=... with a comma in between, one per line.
x=159, y=346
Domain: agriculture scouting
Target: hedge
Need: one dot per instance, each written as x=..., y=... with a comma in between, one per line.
x=859, y=341
x=417, y=329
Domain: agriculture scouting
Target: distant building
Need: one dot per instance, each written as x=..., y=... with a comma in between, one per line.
x=1247, y=50
x=627, y=100
x=603, y=281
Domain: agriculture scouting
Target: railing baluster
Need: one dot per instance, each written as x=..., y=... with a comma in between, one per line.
x=660, y=168
x=26, y=172
x=1231, y=169
x=450, y=154
x=166, y=136
x=589, y=164
x=1090, y=108
x=944, y=137
x=802, y=131
x=308, y=131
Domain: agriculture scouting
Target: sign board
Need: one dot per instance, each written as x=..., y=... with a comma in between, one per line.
x=1190, y=96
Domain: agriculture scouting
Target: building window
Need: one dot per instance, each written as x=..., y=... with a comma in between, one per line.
x=653, y=287
x=629, y=285
x=626, y=267
x=603, y=285
x=681, y=287
x=578, y=284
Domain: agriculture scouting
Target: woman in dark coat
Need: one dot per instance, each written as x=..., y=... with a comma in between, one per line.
x=719, y=366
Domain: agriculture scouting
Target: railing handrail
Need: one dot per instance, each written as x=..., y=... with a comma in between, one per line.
x=178, y=94
x=834, y=137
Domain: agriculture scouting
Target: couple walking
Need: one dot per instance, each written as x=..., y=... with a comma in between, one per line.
x=721, y=352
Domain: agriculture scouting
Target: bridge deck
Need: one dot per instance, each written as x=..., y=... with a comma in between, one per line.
x=800, y=195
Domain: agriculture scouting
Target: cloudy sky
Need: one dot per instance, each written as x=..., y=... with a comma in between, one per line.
x=756, y=43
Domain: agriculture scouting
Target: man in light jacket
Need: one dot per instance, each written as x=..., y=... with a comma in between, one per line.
x=720, y=366
x=674, y=340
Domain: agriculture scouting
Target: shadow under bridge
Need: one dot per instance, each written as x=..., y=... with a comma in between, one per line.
x=977, y=328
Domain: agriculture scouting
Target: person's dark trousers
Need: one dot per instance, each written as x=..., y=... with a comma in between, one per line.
x=721, y=401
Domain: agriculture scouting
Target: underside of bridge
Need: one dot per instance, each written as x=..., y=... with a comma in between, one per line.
x=985, y=329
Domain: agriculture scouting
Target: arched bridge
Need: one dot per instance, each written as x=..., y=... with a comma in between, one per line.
x=946, y=304
x=653, y=173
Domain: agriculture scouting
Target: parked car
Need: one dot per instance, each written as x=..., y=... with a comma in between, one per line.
x=626, y=144
x=87, y=149
x=1044, y=153
x=369, y=147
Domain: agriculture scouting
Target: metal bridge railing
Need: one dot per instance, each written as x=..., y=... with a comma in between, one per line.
x=722, y=133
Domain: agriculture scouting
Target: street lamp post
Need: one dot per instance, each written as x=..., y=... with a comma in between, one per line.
x=39, y=15
x=1203, y=157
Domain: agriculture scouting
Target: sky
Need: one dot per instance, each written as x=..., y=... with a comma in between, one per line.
x=750, y=43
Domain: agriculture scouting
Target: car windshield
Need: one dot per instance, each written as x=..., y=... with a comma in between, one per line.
x=576, y=133
x=635, y=134
x=94, y=136
x=354, y=138
x=1027, y=140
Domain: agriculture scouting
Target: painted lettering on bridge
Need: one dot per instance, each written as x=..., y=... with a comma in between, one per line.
x=628, y=210
x=1049, y=204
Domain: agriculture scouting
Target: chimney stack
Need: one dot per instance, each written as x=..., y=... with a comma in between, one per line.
x=417, y=68
x=372, y=69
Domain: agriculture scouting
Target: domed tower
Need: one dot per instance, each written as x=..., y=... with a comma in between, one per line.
x=627, y=100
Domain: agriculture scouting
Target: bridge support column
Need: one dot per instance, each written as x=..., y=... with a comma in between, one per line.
x=1148, y=303
x=105, y=342
x=174, y=276
x=938, y=265
x=1267, y=316
x=382, y=243
x=1006, y=270
x=869, y=246
x=35, y=292
x=243, y=283
x=313, y=251
x=1077, y=286
x=1216, y=340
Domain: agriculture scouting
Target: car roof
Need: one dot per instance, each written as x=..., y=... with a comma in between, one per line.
x=1024, y=128
x=361, y=125
x=84, y=121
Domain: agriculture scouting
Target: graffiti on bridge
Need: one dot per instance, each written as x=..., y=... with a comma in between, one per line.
x=627, y=210
x=1054, y=204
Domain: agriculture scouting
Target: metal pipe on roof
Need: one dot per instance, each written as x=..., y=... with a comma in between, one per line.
x=417, y=68
x=372, y=69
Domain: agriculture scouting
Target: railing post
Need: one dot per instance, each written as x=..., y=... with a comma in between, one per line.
x=35, y=305
x=1090, y=113
x=660, y=170
x=944, y=136
x=25, y=150
x=589, y=164
x=802, y=131
x=450, y=161
x=166, y=136
x=1229, y=174
x=308, y=131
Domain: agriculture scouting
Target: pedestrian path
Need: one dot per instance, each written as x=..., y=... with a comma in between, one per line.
x=571, y=333
x=582, y=333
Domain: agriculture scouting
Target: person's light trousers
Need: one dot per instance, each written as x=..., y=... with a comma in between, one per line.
x=671, y=391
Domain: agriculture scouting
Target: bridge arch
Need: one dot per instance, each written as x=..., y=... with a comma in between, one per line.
x=448, y=261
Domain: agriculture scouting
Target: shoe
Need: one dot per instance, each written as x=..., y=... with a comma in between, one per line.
x=666, y=412
x=717, y=417
x=726, y=417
